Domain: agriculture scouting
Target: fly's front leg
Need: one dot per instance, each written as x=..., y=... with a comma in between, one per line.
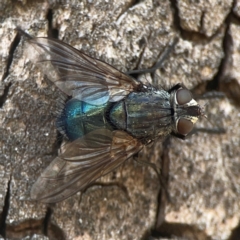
x=159, y=63
x=215, y=129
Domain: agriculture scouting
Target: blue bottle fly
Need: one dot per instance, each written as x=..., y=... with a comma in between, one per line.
x=110, y=117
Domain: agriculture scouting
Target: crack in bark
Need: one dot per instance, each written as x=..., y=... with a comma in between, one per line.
x=5, y=94
x=4, y=213
x=12, y=49
x=52, y=32
x=31, y=227
x=186, y=231
x=222, y=80
x=47, y=221
x=192, y=36
x=125, y=10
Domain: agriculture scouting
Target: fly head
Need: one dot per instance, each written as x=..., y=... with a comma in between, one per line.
x=186, y=111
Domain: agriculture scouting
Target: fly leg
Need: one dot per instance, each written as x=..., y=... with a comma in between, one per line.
x=163, y=195
x=210, y=95
x=162, y=173
x=216, y=130
x=159, y=63
x=111, y=184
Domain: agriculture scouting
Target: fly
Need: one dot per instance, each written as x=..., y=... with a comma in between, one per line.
x=110, y=117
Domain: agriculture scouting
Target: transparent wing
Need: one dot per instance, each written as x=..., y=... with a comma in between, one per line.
x=79, y=75
x=84, y=161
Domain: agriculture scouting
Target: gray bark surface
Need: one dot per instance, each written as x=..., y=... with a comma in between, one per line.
x=204, y=171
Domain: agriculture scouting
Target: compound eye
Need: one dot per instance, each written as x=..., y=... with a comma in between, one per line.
x=183, y=96
x=184, y=126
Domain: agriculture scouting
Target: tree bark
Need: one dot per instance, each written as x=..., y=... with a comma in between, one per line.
x=201, y=174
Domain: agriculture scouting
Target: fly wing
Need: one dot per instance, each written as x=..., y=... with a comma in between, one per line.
x=78, y=75
x=84, y=161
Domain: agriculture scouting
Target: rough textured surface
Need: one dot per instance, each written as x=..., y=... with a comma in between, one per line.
x=204, y=170
x=204, y=17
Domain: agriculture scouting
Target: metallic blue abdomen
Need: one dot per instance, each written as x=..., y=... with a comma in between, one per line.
x=79, y=118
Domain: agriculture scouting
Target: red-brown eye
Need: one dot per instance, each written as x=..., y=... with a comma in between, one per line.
x=183, y=96
x=184, y=126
